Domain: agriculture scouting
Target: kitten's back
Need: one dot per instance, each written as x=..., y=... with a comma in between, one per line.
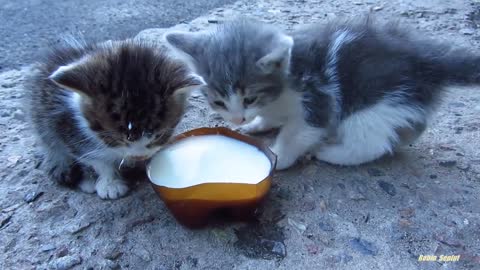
x=370, y=61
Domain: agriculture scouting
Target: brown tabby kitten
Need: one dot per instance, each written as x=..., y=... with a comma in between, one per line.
x=96, y=105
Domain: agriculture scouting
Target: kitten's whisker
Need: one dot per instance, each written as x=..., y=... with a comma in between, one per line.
x=91, y=154
x=93, y=136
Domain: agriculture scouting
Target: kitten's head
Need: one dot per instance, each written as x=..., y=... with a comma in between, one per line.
x=244, y=62
x=131, y=94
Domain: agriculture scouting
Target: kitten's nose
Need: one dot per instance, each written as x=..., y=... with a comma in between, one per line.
x=238, y=120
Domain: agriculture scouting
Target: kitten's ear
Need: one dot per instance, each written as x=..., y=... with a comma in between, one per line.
x=73, y=77
x=193, y=82
x=185, y=42
x=278, y=60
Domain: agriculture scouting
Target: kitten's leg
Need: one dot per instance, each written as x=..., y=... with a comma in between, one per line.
x=260, y=124
x=88, y=182
x=59, y=166
x=109, y=185
x=295, y=139
x=373, y=133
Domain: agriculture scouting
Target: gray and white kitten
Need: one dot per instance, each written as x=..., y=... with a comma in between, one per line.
x=96, y=105
x=346, y=92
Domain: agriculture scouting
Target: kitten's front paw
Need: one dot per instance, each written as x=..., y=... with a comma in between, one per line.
x=108, y=188
x=63, y=173
x=258, y=125
x=87, y=185
x=251, y=128
x=284, y=159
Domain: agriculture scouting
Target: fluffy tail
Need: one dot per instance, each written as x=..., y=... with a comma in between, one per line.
x=457, y=67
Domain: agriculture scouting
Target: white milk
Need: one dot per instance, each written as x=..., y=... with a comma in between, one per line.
x=208, y=159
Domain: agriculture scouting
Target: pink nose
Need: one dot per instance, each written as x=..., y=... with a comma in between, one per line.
x=238, y=120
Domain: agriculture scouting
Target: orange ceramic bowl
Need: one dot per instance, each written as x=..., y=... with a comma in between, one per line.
x=193, y=206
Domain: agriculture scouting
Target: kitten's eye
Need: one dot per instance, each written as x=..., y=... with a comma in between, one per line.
x=219, y=103
x=249, y=101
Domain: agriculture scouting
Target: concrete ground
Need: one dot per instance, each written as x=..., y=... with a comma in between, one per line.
x=27, y=26
x=423, y=201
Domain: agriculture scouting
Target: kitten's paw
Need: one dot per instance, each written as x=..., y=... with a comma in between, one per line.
x=249, y=128
x=253, y=128
x=87, y=185
x=64, y=174
x=108, y=188
x=284, y=160
x=258, y=125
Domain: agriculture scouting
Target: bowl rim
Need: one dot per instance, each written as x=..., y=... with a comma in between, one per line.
x=224, y=131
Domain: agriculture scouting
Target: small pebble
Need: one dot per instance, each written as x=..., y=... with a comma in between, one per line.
x=113, y=255
x=388, y=188
x=284, y=194
x=325, y=226
x=457, y=104
x=46, y=248
x=299, y=227
x=62, y=252
x=313, y=249
x=356, y=196
x=4, y=219
x=345, y=258
x=433, y=176
x=66, y=262
x=323, y=206
x=310, y=171
x=78, y=226
x=308, y=205
x=279, y=249
x=19, y=115
x=192, y=261
x=448, y=241
x=467, y=31
x=404, y=223
x=407, y=212
x=14, y=159
x=143, y=254
x=9, y=85
x=447, y=163
x=463, y=166
x=107, y=264
x=32, y=196
x=177, y=264
x=363, y=246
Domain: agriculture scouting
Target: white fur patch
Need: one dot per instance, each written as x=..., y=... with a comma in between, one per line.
x=137, y=148
x=340, y=38
x=74, y=102
x=61, y=70
x=295, y=139
x=236, y=109
x=199, y=78
x=108, y=185
x=371, y=133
